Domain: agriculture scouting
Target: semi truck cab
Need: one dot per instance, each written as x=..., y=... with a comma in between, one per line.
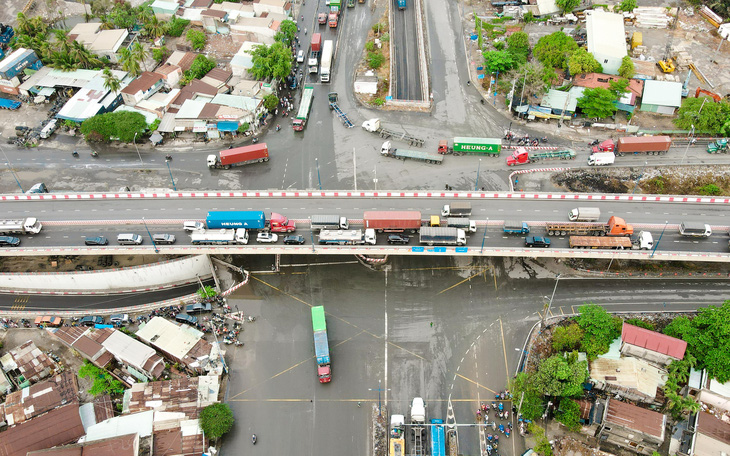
x=280, y=224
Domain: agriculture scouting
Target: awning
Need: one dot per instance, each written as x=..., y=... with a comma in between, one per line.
x=199, y=126
x=227, y=125
x=156, y=138
x=47, y=91
x=213, y=134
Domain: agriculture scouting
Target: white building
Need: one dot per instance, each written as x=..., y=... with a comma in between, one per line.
x=606, y=39
x=104, y=43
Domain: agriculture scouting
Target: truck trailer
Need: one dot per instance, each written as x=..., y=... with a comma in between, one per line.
x=456, y=209
x=478, y=146
x=584, y=214
x=522, y=156
x=616, y=226
x=599, y=242
x=601, y=159
x=220, y=237
x=253, y=220
x=347, y=237
x=442, y=236
x=652, y=145
x=300, y=121
x=326, y=63
x=405, y=154
x=376, y=126
x=321, y=345
x=328, y=222
x=28, y=225
x=255, y=153
x=392, y=221
x=463, y=223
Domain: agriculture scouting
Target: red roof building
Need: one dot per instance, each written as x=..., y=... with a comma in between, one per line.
x=651, y=346
x=58, y=427
x=593, y=80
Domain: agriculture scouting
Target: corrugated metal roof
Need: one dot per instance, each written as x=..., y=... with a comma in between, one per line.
x=167, y=124
x=169, y=337
x=662, y=93
x=37, y=399
x=125, y=445
x=141, y=423
x=237, y=101
x=711, y=426
x=185, y=395
x=132, y=352
x=605, y=33
x=57, y=427
x=556, y=99
x=143, y=83
x=191, y=109
x=632, y=417
x=654, y=341
x=32, y=363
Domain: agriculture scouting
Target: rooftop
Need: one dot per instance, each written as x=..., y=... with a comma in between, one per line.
x=632, y=417
x=143, y=83
x=125, y=445
x=629, y=373
x=186, y=395
x=141, y=423
x=32, y=363
x=57, y=427
x=652, y=340
x=37, y=399
x=187, y=439
x=76, y=338
x=169, y=337
x=593, y=80
x=182, y=59
x=714, y=427
x=605, y=33
x=664, y=93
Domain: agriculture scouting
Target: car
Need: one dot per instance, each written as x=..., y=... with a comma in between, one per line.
x=537, y=241
x=40, y=187
x=189, y=319
x=198, y=307
x=163, y=238
x=294, y=239
x=322, y=18
x=48, y=321
x=9, y=241
x=96, y=240
x=129, y=239
x=300, y=56
x=267, y=237
x=91, y=320
x=119, y=318
x=192, y=225
x=398, y=239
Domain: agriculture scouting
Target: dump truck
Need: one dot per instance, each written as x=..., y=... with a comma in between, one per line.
x=220, y=237
x=397, y=437
x=616, y=226
x=392, y=221
x=718, y=146
x=456, y=209
x=253, y=220
x=651, y=145
x=239, y=156
x=28, y=225
x=463, y=223
x=442, y=236
x=328, y=222
x=315, y=49
x=478, y=146
x=405, y=154
x=584, y=214
x=300, y=121
x=601, y=159
x=516, y=228
x=347, y=237
x=522, y=156
x=321, y=345
x=375, y=126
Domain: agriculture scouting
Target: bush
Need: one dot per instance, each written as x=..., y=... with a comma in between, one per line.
x=378, y=102
x=375, y=60
x=542, y=444
x=176, y=26
x=385, y=37
x=710, y=190
x=569, y=414
x=567, y=338
x=243, y=128
x=104, y=383
x=160, y=54
x=216, y=419
x=197, y=39
x=370, y=46
x=379, y=28
x=154, y=125
x=599, y=329
x=641, y=323
x=528, y=17
x=120, y=124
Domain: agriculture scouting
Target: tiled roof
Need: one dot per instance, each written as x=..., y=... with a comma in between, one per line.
x=143, y=83
x=219, y=74
x=632, y=417
x=57, y=427
x=652, y=340
x=713, y=427
x=593, y=80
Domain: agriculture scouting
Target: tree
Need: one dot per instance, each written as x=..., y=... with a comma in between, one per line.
x=200, y=67
x=197, y=39
x=154, y=28
x=599, y=327
x=121, y=124
x=123, y=15
x=618, y=88
x=287, y=32
x=597, y=103
x=270, y=61
x=626, y=70
x=533, y=405
x=560, y=376
x=271, y=101
x=140, y=53
x=207, y=292
x=216, y=419
x=581, y=61
x=568, y=414
x=375, y=60
x=129, y=63
x=567, y=338
x=159, y=54
x=104, y=383
x=498, y=61
x=84, y=57
x=567, y=5
x=518, y=44
x=627, y=5
x=111, y=82
x=553, y=50
x=703, y=113
x=176, y=26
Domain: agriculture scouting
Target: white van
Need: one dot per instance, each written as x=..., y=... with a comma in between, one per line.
x=129, y=239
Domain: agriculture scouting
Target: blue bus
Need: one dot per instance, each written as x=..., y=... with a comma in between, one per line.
x=438, y=443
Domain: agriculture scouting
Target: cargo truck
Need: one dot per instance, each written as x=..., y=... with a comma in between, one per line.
x=255, y=153
x=652, y=145
x=306, y=105
x=329, y=222
x=516, y=228
x=442, y=236
x=326, y=63
x=463, y=223
x=401, y=4
x=584, y=214
x=599, y=242
x=314, y=52
x=616, y=226
x=397, y=437
x=322, y=18
x=695, y=229
x=334, y=16
x=253, y=220
x=601, y=159
x=375, y=126
x=28, y=225
x=719, y=146
x=456, y=209
x=418, y=411
x=405, y=154
x=522, y=156
x=321, y=345
x=392, y=221
x=347, y=237
x=221, y=237
x=478, y=146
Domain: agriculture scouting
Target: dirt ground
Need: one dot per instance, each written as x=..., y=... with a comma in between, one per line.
x=71, y=263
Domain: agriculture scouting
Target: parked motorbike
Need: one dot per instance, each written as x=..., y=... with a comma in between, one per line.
x=75, y=154
x=94, y=154
x=253, y=439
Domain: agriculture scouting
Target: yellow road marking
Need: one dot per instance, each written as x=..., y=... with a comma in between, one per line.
x=504, y=349
x=459, y=283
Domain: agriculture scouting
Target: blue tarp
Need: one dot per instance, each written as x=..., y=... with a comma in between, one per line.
x=9, y=104
x=227, y=125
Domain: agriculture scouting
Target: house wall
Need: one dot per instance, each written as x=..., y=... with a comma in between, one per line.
x=708, y=446
x=658, y=109
x=714, y=400
x=628, y=438
x=647, y=355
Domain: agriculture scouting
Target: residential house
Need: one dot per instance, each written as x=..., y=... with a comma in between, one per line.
x=259, y=29
x=218, y=78
x=6, y=386
x=180, y=437
x=75, y=337
x=712, y=435
x=247, y=88
x=214, y=21
x=125, y=445
x=559, y=103
x=193, y=11
x=234, y=10
x=59, y=426
x=104, y=43
x=26, y=364
x=187, y=395
x=651, y=346
x=627, y=102
x=96, y=411
x=141, y=88
x=242, y=61
x=242, y=109
x=182, y=59
x=47, y=79
x=159, y=103
x=164, y=10
x=661, y=97
x=632, y=427
x=606, y=39
x=195, y=115
x=37, y=399
x=171, y=74
x=92, y=99
x=280, y=7
x=195, y=90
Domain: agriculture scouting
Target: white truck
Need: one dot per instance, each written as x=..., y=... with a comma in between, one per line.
x=584, y=214
x=439, y=235
x=601, y=159
x=325, y=65
x=329, y=222
x=463, y=223
x=29, y=225
x=347, y=237
x=221, y=237
x=456, y=209
x=418, y=411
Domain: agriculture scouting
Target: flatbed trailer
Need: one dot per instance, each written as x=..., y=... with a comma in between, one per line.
x=600, y=242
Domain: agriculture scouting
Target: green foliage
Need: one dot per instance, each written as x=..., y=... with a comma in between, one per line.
x=70, y=123
x=567, y=5
x=498, y=61
x=599, y=328
x=375, y=60
x=627, y=5
x=528, y=17
x=618, y=87
x=154, y=28
x=129, y=62
x=499, y=45
x=287, y=32
x=710, y=190
x=216, y=419
x=377, y=28
x=478, y=31
x=370, y=46
x=567, y=338
x=518, y=44
x=104, y=383
x=378, y=102
x=123, y=15
x=200, y=67
x=532, y=406
x=553, y=50
x=542, y=444
x=385, y=37
x=197, y=39
x=176, y=26
x=598, y=102
x=581, y=61
x=120, y=124
x=708, y=339
x=626, y=70
x=206, y=292
x=709, y=117
x=154, y=125
x=641, y=323
x=243, y=128
x=160, y=54
x=271, y=101
x=111, y=82
x=270, y=61
x=560, y=376
x=569, y=414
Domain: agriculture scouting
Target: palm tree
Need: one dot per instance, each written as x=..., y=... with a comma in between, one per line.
x=140, y=53
x=144, y=14
x=111, y=82
x=155, y=28
x=63, y=62
x=81, y=54
x=129, y=63
x=63, y=44
x=24, y=26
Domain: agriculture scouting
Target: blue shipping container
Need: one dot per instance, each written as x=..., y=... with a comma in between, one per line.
x=252, y=220
x=16, y=62
x=321, y=347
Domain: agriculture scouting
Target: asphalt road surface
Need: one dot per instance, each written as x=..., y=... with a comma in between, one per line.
x=404, y=42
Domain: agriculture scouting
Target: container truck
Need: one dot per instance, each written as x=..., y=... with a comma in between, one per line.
x=601, y=159
x=28, y=225
x=321, y=345
x=326, y=63
x=442, y=236
x=347, y=237
x=253, y=220
x=516, y=228
x=478, y=146
x=401, y=4
x=222, y=237
x=418, y=411
x=616, y=226
x=456, y=209
x=306, y=105
x=599, y=242
x=463, y=223
x=375, y=126
x=329, y=222
x=606, y=146
x=255, y=153
x=392, y=221
x=397, y=437
x=522, y=156
x=314, y=52
x=652, y=145
x=438, y=442
x=584, y=214
x=405, y=154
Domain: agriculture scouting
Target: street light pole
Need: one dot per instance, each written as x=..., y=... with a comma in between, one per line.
x=316, y=162
x=379, y=389
x=485, y=235
x=656, y=246
x=479, y=168
x=134, y=140
x=689, y=143
x=150, y=235
x=167, y=162
x=550, y=303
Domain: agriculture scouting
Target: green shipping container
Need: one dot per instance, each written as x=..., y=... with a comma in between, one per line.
x=478, y=146
x=337, y=3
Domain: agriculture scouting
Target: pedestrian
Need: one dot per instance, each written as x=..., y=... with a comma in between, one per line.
x=432, y=324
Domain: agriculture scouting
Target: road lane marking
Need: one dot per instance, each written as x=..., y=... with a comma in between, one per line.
x=459, y=283
x=504, y=349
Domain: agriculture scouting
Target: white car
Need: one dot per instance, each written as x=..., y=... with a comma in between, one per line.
x=300, y=57
x=267, y=237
